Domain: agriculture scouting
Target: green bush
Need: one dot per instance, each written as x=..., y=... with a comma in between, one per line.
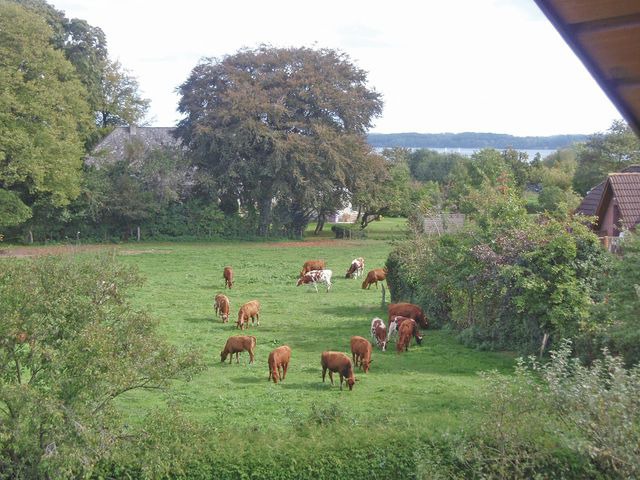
x=70, y=344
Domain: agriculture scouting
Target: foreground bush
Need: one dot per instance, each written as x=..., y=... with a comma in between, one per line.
x=509, y=281
x=70, y=343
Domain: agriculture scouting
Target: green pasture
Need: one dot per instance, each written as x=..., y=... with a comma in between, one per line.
x=432, y=388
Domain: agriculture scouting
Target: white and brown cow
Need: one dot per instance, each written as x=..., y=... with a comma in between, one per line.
x=314, y=277
x=396, y=323
x=379, y=333
x=356, y=269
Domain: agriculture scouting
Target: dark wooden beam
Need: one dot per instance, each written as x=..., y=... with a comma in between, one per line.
x=569, y=36
x=606, y=24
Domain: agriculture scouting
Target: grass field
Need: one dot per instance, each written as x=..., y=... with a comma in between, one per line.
x=433, y=387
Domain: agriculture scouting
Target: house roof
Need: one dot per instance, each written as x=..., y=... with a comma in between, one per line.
x=114, y=146
x=605, y=35
x=625, y=189
x=591, y=200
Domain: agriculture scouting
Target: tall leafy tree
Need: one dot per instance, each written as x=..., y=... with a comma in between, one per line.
x=44, y=114
x=270, y=123
x=113, y=93
x=605, y=153
x=119, y=101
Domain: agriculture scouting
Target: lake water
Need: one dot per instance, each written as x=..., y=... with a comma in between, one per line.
x=467, y=152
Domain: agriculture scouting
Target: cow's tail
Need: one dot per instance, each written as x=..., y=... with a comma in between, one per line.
x=253, y=342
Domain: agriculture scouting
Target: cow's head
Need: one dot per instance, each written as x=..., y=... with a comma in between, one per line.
x=274, y=375
x=419, y=339
x=223, y=356
x=365, y=365
x=300, y=281
x=350, y=382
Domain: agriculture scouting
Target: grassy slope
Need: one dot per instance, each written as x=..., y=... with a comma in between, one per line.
x=433, y=387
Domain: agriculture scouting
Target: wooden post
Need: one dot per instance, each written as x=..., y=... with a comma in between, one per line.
x=138, y=232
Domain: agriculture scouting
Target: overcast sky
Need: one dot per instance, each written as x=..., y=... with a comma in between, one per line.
x=454, y=66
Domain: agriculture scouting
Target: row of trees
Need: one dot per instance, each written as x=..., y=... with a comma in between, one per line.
x=60, y=93
x=271, y=137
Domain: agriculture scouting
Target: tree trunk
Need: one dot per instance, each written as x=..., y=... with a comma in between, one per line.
x=264, y=222
x=384, y=299
x=545, y=339
x=138, y=232
x=321, y=219
x=30, y=236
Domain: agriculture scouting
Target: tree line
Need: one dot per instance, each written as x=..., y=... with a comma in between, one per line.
x=472, y=140
x=270, y=139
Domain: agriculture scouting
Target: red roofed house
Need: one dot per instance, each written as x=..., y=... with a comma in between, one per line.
x=619, y=206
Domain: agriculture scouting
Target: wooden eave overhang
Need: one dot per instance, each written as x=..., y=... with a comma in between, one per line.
x=605, y=35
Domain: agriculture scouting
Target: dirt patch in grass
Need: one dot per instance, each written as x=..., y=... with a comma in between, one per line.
x=39, y=251
x=20, y=252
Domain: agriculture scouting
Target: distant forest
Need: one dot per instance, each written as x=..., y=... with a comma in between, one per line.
x=471, y=140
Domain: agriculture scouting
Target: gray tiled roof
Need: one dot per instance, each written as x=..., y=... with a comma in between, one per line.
x=112, y=148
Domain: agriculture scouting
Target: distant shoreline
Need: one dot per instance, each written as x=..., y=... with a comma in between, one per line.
x=472, y=140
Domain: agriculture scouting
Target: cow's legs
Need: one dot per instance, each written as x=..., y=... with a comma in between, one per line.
x=331, y=376
x=285, y=366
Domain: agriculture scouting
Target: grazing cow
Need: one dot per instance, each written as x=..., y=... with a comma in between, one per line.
x=379, y=333
x=408, y=329
x=337, y=362
x=356, y=269
x=312, y=265
x=237, y=344
x=374, y=276
x=361, y=352
x=314, y=277
x=394, y=327
x=228, y=277
x=250, y=310
x=408, y=310
x=222, y=307
x=279, y=360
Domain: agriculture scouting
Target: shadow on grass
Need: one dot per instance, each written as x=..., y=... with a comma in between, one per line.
x=249, y=380
x=354, y=311
x=206, y=319
x=312, y=385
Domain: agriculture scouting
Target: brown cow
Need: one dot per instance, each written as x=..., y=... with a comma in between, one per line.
x=237, y=344
x=394, y=328
x=250, y=310
x=279, y=359
x=408, y=329
x=374, y=276
x=228, y=277
x=312, y=265
x=361, y=352
x=408, y=310
x=222, y=307
x=337, y=362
